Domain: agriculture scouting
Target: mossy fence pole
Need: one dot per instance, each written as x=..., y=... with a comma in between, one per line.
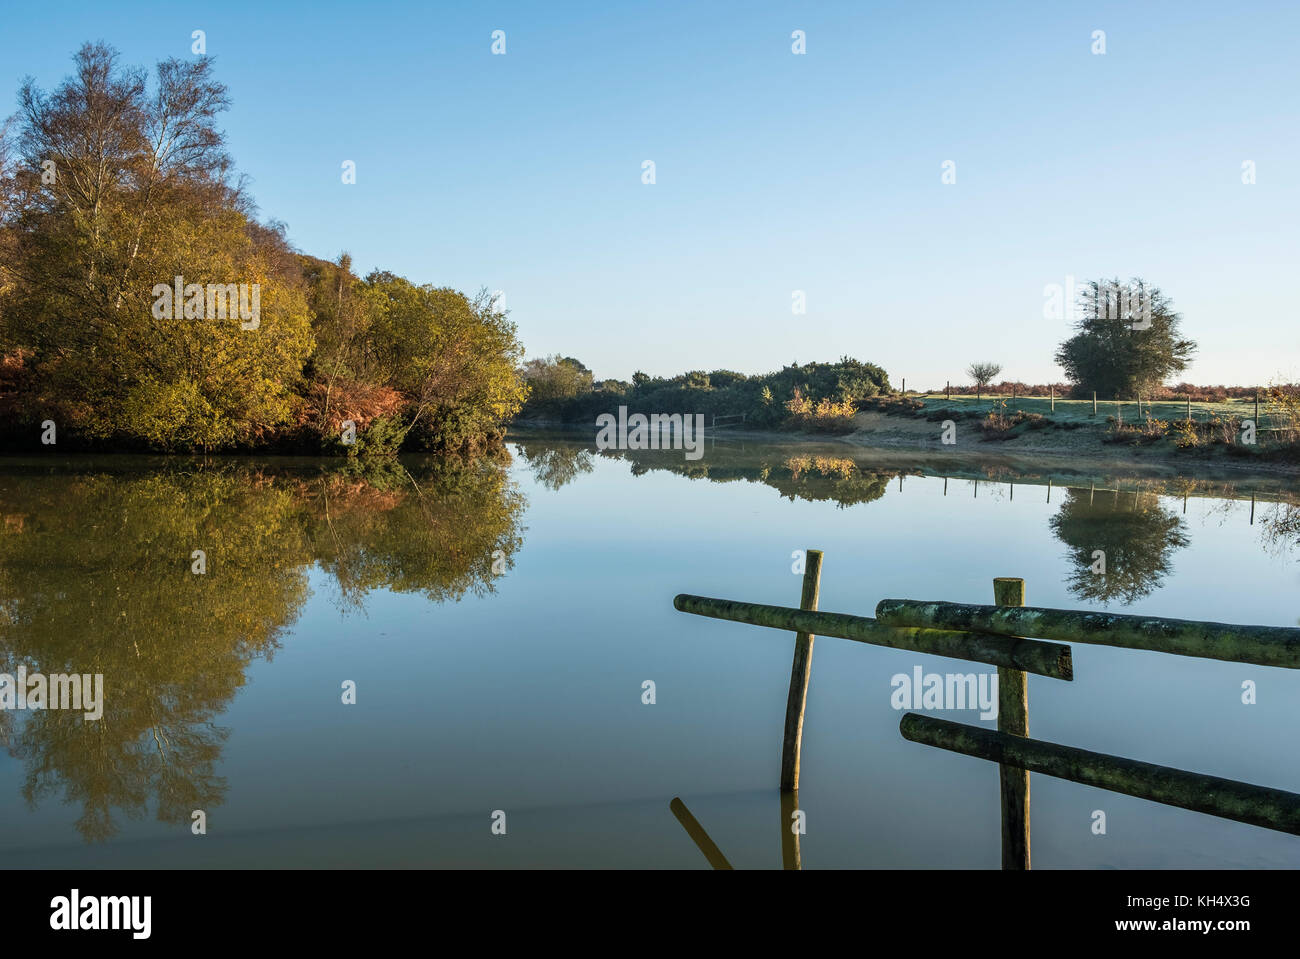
x=1013, y=719
x=1260, y=806
x=800, y=670
x=1258, y=645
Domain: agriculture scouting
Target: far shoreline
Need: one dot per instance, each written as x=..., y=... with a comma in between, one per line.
x=1013, y=454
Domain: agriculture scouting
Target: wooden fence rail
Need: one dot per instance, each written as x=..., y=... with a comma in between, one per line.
x=1017, y=639
x=1027, y=655
x=1224, y=798
x=1260, y=645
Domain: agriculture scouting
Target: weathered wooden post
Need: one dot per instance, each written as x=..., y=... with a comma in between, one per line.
x=1094, y=402
x=1013, y=719
x=1053, y=389
x=1257, y=409
x=947, y=389
x=800, y=670
x=790, y=856
x=1189, y=407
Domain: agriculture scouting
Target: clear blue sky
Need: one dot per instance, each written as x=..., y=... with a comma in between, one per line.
x=775, y=172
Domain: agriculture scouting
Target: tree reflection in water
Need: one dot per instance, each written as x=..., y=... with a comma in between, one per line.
x=95, y=577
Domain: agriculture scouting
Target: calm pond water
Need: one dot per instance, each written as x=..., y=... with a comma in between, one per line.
x=499, y=618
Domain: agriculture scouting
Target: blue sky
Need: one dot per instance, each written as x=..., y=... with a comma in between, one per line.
x=774, y=172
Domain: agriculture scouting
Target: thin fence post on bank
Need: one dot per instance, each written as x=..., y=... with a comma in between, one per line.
x=1257, y=409
x=800, y=671
x=1013, y=719
x=1189, y=407
x=947, y=389
x=1053, y=399
x=1094, y=403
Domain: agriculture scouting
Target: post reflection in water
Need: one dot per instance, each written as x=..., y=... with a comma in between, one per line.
x=790, y=829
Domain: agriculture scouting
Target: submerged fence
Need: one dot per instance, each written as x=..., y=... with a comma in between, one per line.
x=999, y=635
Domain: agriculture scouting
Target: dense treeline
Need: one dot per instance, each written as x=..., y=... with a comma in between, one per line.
x=142, y=304
x=562, y=389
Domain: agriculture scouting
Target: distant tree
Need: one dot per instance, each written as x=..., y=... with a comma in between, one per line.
x=1127, y=341
x=982, y=374
x=554, y=380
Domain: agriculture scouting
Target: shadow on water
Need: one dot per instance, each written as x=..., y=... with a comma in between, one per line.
x=99, y=575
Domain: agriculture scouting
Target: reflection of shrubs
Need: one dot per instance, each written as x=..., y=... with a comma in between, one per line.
x=825, y=465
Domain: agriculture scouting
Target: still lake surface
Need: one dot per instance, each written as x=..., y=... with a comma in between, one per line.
x=500, y=617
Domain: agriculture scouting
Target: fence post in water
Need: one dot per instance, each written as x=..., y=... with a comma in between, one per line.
x=1013, y=718
x=790, y=856
x=799, y=673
